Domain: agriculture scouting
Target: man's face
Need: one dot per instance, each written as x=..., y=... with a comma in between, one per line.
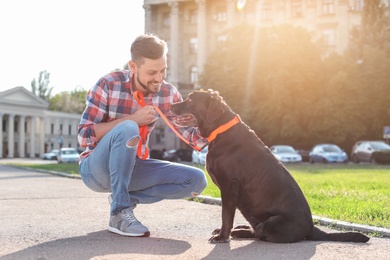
x=150, y=75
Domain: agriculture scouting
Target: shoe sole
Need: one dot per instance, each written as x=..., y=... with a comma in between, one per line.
x=117, y=231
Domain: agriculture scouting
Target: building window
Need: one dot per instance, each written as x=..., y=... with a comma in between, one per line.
x=4, y=125
x=194, y=74
x=70, y=129
x=160, y=135
x=296, y=9
x=327, y=7
x=221, y=15
x=51, y=128
x=194, y=45
x=222, y=38
x=194, y=16
x=266, y=12
x=358, y=5
x=166, y=18
x=329, y=37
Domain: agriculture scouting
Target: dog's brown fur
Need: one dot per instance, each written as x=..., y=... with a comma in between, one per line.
x=251, y=179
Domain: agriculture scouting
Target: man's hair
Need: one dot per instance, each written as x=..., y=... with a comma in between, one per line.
x=147, y=46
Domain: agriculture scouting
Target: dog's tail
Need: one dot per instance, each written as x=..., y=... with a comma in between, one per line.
x=318, y=235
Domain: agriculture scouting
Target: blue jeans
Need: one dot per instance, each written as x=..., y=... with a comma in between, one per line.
x=114, y=167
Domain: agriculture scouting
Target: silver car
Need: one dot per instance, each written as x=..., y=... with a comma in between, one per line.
x=68, y=155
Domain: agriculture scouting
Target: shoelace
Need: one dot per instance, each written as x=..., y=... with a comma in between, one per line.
x=130, y=217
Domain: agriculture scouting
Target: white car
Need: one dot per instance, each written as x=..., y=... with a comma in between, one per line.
x=52, y=155
x=286, y=154
x=200, y=157
x=68, y=155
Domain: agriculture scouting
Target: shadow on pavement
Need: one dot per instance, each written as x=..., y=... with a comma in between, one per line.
x=264, y=250
x=100, y=243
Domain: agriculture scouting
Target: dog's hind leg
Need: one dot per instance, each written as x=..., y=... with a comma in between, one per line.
x=277, y=229
x=243, y=231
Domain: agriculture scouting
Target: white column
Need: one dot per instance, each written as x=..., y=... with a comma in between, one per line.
x=21, y=136
x=1, y=135
x=231, y=8
x=32, y=137
x=11, y=122
x=174, y=44
x=148, y=18
x=42, y=135
x=201, y=59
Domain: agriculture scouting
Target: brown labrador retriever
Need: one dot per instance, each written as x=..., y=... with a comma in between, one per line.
x=251, y=179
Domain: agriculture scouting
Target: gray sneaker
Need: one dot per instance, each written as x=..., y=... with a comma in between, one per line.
x=126, y=224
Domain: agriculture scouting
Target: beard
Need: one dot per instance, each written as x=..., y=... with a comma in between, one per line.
x=149, y=87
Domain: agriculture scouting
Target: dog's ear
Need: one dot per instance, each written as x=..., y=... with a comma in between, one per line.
x=216, y=108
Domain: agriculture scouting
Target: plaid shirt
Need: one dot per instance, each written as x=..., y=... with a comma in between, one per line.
x=112, y=97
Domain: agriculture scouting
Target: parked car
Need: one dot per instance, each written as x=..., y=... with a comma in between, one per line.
x=200, y=157
x=178, y=155
x=52, y=155
x=371, y=151
x=286, y=154
x=68, y=155
x=156, y=154
x=304, y=154
x=327, y=153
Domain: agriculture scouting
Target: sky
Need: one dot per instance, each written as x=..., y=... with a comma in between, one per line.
x=76, y=41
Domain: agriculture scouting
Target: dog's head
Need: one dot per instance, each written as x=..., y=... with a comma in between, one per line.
x=205, y=107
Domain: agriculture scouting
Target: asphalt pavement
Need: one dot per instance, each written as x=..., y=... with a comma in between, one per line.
x=47, y=216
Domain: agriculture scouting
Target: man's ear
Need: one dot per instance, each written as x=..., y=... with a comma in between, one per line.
x=132, y=66
x=216, y=108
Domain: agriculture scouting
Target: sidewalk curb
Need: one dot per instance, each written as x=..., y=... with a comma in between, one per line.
x=335, y=224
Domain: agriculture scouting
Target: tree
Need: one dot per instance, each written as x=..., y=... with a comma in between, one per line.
x=271, y=77
x=374, y=31
x=41, y=87
x=70, y=102
x=279, y=82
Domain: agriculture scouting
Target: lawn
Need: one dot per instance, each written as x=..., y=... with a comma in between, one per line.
x=354, y=193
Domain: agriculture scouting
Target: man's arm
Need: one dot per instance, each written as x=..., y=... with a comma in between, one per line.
x=143, y=116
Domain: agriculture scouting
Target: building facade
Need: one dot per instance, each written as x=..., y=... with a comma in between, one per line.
x=28, y=129
x=192, y=28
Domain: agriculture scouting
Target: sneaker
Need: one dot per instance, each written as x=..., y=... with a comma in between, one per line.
x=126, y=224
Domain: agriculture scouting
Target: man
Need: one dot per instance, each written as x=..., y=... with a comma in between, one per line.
x=109, y=130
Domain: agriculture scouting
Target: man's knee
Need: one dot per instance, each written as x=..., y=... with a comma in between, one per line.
x=200, y=182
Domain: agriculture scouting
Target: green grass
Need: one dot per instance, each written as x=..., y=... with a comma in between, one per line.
x=347, y=192
x=70, y=168
x=352, y=193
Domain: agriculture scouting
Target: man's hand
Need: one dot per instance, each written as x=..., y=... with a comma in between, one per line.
x=143, y=116
x=215, y=94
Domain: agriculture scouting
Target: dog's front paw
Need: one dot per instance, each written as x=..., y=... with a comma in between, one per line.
x=218, y=239
x=216, y=231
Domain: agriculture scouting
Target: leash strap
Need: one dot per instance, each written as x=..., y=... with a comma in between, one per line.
x=144, y=129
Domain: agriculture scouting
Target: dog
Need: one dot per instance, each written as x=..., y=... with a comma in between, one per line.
x=251, y=179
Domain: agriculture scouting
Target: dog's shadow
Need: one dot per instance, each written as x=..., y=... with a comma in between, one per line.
x=100, y=243
x=302, y=250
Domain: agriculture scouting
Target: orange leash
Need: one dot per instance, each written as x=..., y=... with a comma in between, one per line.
x=144, y=129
